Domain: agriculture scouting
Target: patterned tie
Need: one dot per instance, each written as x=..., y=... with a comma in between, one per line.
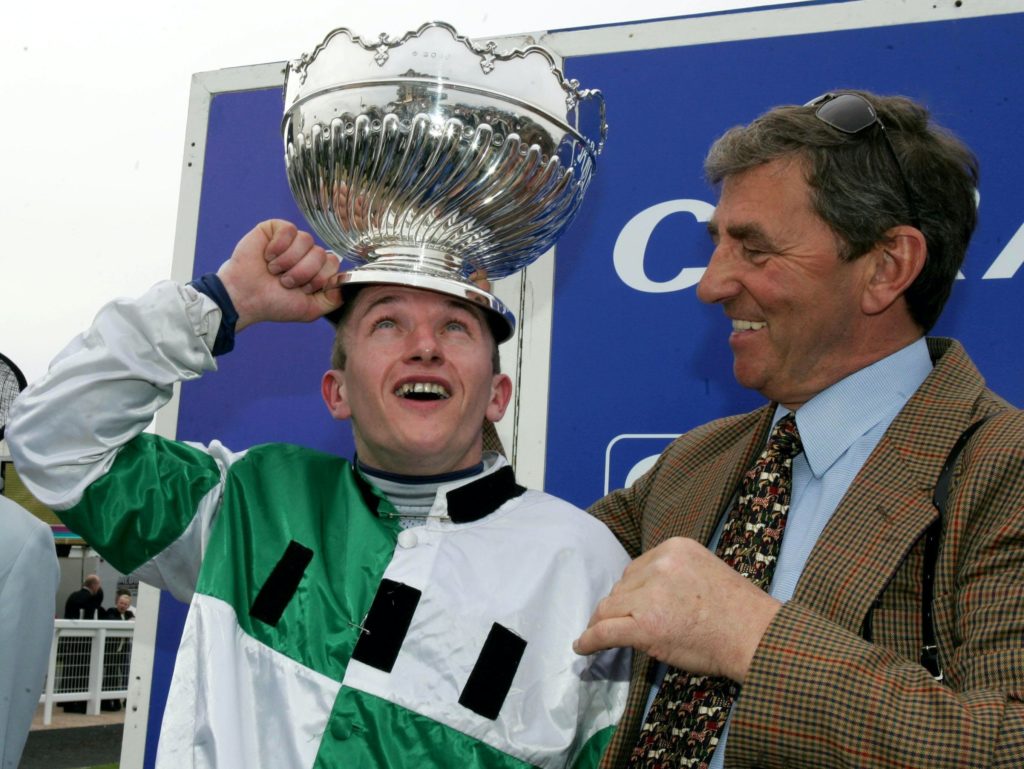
x=688, y=713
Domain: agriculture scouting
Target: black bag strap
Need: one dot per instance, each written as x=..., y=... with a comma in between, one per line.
x=929, y=648
x=932, y=538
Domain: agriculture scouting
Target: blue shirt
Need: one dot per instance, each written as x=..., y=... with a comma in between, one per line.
x=839, y=428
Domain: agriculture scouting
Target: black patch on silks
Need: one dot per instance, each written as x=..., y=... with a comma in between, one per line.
x=492, y=675
x=386, y=625
x=279, y=589
x=472, y=501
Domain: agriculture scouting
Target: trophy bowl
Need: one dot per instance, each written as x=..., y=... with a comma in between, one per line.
x=428, y=158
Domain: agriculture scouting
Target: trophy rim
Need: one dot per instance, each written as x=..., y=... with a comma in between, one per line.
x=585, y=141
x=384, y=42
x=499, y=317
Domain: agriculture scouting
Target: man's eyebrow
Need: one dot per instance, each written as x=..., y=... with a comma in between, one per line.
x=475, y=310
x=746, y=231
x=451, y=303
x=460, y=304
x=381, y=300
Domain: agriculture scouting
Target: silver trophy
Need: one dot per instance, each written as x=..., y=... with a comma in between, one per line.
x=428, y=158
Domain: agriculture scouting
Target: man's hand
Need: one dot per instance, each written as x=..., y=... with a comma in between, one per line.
x=276, y=273
x=682, y=605
x=479, y=278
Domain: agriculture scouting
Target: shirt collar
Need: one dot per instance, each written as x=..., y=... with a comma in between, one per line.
x=465, y=499
x=832, y=420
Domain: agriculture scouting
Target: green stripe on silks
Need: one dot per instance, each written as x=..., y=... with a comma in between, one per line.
x=158, y=484
x=367, y=731
x=278, y=494
x=590, y=755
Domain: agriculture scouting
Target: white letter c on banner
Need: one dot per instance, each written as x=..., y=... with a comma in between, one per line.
x=631, y=246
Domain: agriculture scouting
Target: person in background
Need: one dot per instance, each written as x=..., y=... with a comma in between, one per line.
x=29, y=575
x=122, y=608
x=118, y=651
x=73, y=653
x=87, y=601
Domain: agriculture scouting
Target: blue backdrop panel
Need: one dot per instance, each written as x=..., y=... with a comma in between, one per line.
x=268, y=388
x=627, y=362
x=629, y=366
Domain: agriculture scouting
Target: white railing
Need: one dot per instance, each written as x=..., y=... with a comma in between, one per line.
x=88, y=663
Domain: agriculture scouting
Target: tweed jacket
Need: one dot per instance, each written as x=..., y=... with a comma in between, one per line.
x=818, y=694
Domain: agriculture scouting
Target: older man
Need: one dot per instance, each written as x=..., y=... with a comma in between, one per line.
x=414, y=608
x=808, y=602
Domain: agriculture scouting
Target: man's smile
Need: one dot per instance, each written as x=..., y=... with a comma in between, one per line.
x=747, y=325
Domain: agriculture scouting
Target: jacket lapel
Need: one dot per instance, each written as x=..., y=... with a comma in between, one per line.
x=711, y=486
x=879, y=519
x=889, y=505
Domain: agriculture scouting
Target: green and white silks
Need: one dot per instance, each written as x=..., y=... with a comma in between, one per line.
x=211, y=525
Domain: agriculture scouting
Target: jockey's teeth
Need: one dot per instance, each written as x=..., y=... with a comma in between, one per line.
x=422, y=388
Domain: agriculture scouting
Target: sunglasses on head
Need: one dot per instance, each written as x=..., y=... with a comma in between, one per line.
x=851, y=113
